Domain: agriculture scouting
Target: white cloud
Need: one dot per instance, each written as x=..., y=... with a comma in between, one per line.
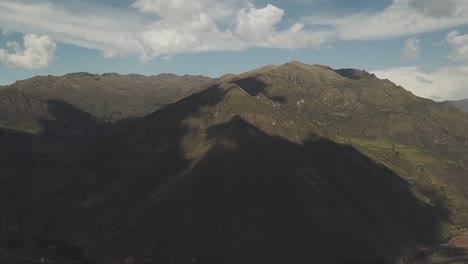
x=446, y=83
x=170, y=9
x=411, y=48
x=255, y=25
x=38, y=52
x=100, y=29
x=257, y=28
x=459, y=44
x=191, y=28
x=218, y=10
x=401, y=18
x=161, y=28
x=162, y=38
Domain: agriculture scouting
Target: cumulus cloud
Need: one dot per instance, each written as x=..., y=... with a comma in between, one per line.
x=162, y=38
x=182, y=26
x=459, y=44
x=37, y=52
x=446, y=83
x=411, y=48
x=167, y=27
x=185, y=26
x=255, y=25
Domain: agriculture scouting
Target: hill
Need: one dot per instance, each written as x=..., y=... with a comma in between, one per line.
x=462, y=104
x=287, y=163
x=108, y=97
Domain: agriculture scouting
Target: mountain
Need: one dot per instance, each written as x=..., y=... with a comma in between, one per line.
x=288, y=163
x=59, y=115
x=109, y=97
x=462, y=104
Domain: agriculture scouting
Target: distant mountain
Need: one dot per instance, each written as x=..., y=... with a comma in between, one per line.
x=462, y=104
x=107, y=97
x=288, y=163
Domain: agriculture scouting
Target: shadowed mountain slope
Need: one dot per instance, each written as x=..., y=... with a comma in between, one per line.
x=424, y=141
x=288, y=163
x=213, y=179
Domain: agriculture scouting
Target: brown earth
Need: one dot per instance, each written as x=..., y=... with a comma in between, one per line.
x=460, y=241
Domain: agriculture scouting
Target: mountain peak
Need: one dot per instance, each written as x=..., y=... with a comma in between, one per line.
x=294, y=62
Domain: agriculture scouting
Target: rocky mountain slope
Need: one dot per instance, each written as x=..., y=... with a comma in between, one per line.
x=288, y=163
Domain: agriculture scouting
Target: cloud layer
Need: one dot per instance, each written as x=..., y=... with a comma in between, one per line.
x=401, y=18
x=161, y=28
x=37, y=52
x=445, y=83
x=411, y=48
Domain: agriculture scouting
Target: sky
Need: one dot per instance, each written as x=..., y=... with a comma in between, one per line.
x=421, y=45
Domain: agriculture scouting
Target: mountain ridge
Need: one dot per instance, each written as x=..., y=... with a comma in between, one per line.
x=270, y=166
x=108, y=97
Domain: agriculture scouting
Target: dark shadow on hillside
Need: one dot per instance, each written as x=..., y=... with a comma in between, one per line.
x=69, y=121
x=254, y=87
x=355, y=74
x=251, y=198
x=26, y=157
x=83, y=199
x=255, y=198
x=22, y=152
x=16, y=156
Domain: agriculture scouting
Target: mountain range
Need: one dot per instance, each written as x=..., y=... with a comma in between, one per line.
x=289, y=163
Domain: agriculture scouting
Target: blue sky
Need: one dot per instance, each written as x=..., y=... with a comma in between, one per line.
x=419, y=44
